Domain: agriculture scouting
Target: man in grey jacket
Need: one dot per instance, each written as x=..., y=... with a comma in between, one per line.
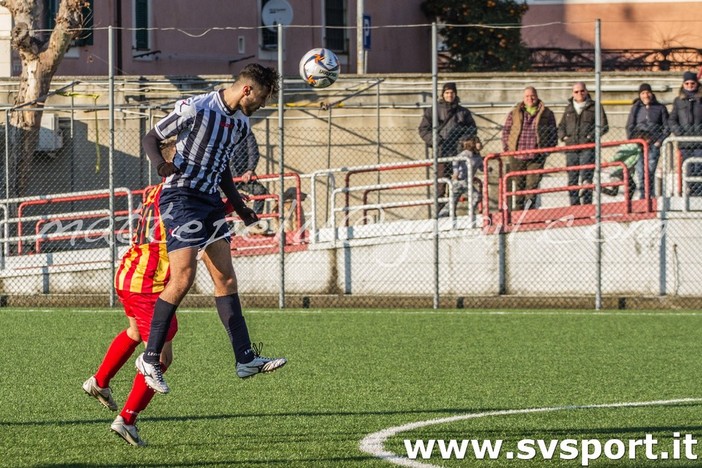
x=455, y=124
x=577, y=126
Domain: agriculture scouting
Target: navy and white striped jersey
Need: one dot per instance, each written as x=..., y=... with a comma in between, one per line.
x=207, y=136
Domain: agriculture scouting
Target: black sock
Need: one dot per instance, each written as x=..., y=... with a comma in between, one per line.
x=229, y=309
x=161, y=321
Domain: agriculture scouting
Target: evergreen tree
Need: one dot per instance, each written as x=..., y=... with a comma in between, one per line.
x=480, y=48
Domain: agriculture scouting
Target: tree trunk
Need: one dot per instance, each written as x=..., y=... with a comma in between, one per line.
x=40, y=60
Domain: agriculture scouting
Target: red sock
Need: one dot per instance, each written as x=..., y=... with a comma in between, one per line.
x=118, y=353
x=138, y=398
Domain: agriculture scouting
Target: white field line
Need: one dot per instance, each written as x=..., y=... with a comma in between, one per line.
x=373, y=444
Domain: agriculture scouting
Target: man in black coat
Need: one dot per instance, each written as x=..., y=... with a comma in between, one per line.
x=577, y=126
x=686, y=120
x=455, y=124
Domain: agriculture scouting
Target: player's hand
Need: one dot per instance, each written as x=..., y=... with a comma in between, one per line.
x=166, y=169
x=248, y=216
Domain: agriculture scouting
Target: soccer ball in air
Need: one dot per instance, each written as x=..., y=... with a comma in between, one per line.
x=319, y=68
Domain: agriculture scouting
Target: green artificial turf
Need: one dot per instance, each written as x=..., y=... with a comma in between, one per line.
x=350, y=374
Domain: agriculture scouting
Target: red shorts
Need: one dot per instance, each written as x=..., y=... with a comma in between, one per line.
x=140, y=306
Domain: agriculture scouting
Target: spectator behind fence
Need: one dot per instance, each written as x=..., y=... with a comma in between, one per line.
x=459, y=177
x=243, y=164
x=529, y=125
x=686, y=120
x=455, y=122
x=290, y=211
x=648, y=119
x=577, y=126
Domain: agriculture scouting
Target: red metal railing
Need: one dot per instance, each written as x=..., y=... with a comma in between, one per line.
x=501, y=200
x=55, y=200
x=272, y=196
x=43, y=237
x=506, y=213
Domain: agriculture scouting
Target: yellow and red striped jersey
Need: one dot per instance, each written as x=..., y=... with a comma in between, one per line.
x=144, y=267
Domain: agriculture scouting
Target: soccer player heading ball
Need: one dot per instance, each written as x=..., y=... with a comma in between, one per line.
x=208, y=128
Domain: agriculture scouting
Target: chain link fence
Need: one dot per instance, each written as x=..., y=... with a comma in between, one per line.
x=359, y=228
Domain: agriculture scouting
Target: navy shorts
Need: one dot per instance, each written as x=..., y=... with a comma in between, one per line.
x=192, y=218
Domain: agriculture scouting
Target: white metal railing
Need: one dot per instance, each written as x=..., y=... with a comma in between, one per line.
x=329, y=175
x=424, y=201
x=670, y=186
x=6, y=221
x=688, y=179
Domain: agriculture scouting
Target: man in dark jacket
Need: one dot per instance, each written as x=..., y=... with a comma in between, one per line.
x=529, y=125
x=577, y=127
x=455, y=124
x=648, y=119
x=686, y=120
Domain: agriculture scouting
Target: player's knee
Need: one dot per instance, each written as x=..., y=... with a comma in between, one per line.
x=133, y=333
x=225, y=287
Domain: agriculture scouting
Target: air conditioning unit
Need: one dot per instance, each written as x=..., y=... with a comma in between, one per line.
x=50, y=137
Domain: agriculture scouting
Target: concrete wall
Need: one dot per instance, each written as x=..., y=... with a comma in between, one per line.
x=556, y=263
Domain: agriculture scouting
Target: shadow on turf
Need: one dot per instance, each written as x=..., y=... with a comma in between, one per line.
x=286, y=462
x=210, y=417
x=441, y=411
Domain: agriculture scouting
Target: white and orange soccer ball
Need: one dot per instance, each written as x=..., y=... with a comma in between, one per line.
x=319, y=68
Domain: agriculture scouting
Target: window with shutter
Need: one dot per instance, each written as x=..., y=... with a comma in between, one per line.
x=141, y=25
x=269, y=39
x=335, y=15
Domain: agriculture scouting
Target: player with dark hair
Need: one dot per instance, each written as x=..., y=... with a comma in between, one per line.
x=208, y=128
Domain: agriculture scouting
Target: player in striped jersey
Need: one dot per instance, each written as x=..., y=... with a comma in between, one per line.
x=207, y=128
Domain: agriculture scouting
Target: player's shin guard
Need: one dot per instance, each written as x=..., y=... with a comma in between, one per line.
x=163, y=314
x=138, y=399
x=229, y=309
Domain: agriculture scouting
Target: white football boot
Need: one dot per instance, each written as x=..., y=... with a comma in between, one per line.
x=127, y=432
x=103, y=395
x=259, y=364
x=152, y=375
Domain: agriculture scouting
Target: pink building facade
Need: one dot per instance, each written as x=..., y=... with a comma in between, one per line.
x=214, y=37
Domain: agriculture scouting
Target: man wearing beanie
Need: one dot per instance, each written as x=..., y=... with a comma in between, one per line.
x=455, y=123
x=648, y=119
x=686, y=120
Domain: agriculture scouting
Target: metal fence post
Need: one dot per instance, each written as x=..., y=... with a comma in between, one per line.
x=281, y=167
x=662, y=215
x=7, y=153
x=111, y=173
x=598, y=167
x=434, y=145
